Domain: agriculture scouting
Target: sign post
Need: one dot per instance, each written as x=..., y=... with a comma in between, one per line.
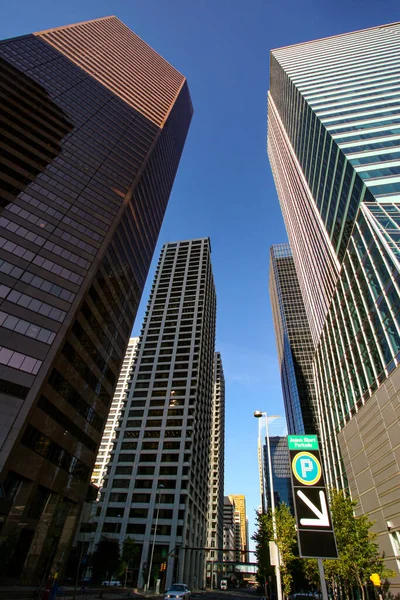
x=314, y=524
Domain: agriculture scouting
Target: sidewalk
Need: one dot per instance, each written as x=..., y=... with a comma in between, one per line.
x=66, y=593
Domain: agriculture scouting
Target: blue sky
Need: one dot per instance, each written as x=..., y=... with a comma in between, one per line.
x=224, y=187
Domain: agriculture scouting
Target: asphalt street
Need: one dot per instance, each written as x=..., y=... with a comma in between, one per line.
x=120, y=594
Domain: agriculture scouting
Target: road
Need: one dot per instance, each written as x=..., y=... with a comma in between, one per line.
x=118, y=594
x=231, y=594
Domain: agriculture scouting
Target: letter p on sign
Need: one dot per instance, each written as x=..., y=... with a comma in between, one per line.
x=306, y=466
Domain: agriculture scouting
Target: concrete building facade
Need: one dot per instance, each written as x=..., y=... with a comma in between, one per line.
x=158, y=482
x=94, y=124
x=215, y=516
x=241, y=527
x=229, y=530
x=117, y=404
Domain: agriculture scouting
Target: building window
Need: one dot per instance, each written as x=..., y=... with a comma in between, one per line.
x=395, y=539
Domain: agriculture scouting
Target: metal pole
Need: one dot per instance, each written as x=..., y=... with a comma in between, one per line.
x=271, y=487
x=261, y=469
x=154, y=538
x=322, y=579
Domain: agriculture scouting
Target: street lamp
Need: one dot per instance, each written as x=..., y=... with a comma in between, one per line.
x=258, y=415
x=159, y=487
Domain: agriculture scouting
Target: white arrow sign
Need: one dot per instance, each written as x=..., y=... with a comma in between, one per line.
x=323, y=514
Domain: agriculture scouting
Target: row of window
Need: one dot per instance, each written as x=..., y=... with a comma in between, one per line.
x=91, y=349
x=53, y=267
x=64, y=253
x=41, y=444
x=66, y=423
x=66, y=391
x=41, y=205
x=86, y=373
x=19, y=361
x=47, y=286
x=28, y=216
x=32, y=304
x=25, y=328
x=8, y=225
x=13, y=248
x=139, y=529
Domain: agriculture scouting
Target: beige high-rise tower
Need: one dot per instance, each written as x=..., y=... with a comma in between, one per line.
x=241, y=522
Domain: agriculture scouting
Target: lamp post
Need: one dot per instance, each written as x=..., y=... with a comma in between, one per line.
x=159, y=487
x=258, y=415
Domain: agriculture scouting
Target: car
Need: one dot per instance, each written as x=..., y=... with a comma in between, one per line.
x=223, y=585
x=178, y=590
x=112, y=583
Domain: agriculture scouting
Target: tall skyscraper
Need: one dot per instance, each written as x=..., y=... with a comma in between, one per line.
x=239, y=502
x=215, y=528
x=294, y=342
x=94, y=123
x=157, y=486
x=334, y=146
x=281, y=471
x=117, y=404
x=229, y=530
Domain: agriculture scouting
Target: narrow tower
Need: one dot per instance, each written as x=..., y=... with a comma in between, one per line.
x=117, y=404
x=215, y=529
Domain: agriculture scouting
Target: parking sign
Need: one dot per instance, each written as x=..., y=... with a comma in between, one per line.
x=314, y=523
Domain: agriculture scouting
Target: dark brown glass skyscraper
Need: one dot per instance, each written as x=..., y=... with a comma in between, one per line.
x=94, y=123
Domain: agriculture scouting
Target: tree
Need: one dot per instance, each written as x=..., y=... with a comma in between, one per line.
x=310, y=570
x=285, y=540
x=105, y=559
x=130, y=551
x=358, y=552
x=262, y=550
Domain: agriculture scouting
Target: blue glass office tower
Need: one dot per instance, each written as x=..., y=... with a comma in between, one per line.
x=294, y=342
x=281, y=477
x=334, y=146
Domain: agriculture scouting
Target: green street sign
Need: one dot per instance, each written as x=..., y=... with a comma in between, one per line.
x=303, y=442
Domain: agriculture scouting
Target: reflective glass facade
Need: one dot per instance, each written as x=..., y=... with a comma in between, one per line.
x=86, y=177
x=360, y=343
x=294, y=342
x=334, y=146
x=281, y=471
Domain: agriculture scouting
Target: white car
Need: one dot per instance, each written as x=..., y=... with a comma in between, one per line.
x=112, y=583
x=178, y=590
